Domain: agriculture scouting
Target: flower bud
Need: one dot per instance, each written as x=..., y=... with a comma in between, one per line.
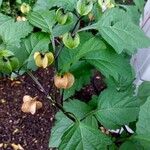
x=43, y=60
x=84, y=7
x=64, y=82
x=25, y=8
x=71, y=41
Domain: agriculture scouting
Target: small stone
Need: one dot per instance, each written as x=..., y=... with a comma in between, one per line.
x=1, y=145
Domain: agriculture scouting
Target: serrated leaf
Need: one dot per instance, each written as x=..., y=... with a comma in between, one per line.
x=36, y=42
x=61, y=125
x=43, y=19
x=4, y=19
x=113, y=108
x=121, y=33
x=111, y=64
x=48, y=4
x=78, y=108
x=88, y=44
x=83, y=137
x=12, y=32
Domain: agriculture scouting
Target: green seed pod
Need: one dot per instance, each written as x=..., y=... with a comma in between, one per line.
x=71, y=41
x=84, y=7
x=61, y=17
x=25, y=8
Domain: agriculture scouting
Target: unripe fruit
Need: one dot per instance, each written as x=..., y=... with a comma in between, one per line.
x=61, y=17
x=105, y=4
x=71, y=42
x=64, y=82
x=25, y=8
x=84, y=7
x=43, y=60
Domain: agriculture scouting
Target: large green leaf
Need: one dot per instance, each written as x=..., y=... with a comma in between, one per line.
x=131, y=144
x=36, y=42
x=120, y=32
x=111, y=64
x=83, y=137
x=114, y=107
x=143, y=125
x=62, y=123
x=88, y=43
x=139, y=4
x=79, y=109
x=43, y=19
x=11, y=32
x=4, y=19
x=47, y=4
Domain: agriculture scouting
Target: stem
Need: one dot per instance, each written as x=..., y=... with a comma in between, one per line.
x=37, y=82
x=68, y=114
x=76, y=26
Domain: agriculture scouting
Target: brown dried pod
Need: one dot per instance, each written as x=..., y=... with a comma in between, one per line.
x=30, y=105
x=64, y=82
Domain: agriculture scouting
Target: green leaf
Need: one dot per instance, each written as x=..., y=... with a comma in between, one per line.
x=48, y=4
x=43, y=19
x=78, y=108
x=1, y=2
x=82, y=73
x=139, y=4
x=62, y=124
x=111, y=64
x=12, y=32
x=4, y=19
x=133, y=12
x=88, y=43
x=130, y=144
x=144, y=91
x=83, y=137
x=143, y=125
x=121, y=33
x=36, y=42
x=113, y=108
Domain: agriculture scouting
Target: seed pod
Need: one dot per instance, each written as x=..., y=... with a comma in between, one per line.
x=106, y=4
x=50, y=57
x=64, y=82
x=30, y=105
x=84, y=7
x=61, y=17
x=25, y=8
x=43, y=60
x=71, y=42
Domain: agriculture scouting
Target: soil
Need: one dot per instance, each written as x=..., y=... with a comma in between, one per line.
x=32, y=132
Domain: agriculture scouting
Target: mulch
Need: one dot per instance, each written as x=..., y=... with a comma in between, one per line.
x=32, y=132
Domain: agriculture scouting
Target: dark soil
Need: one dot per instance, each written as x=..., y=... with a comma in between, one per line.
x=32, y=131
